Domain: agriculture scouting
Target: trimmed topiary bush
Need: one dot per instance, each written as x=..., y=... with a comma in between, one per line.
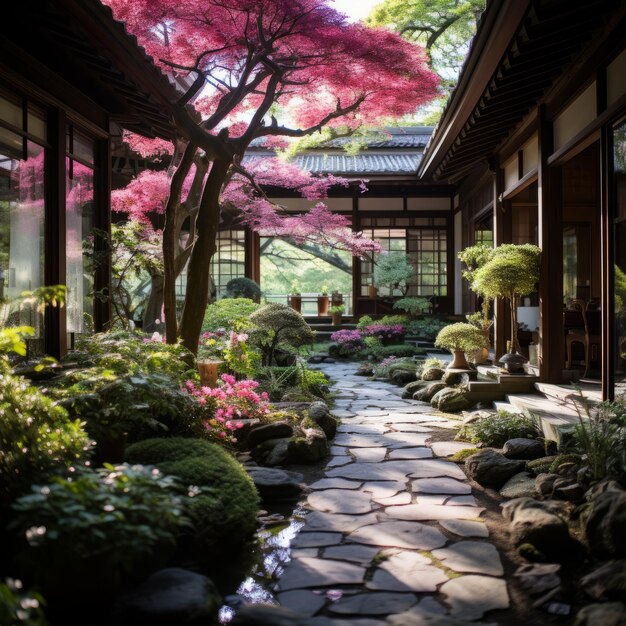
x=243, y=288
x=227, y=313
x=155, y=451
x=460, y=337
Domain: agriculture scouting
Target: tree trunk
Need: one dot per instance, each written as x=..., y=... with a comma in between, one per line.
x=514, y=341
x=154, y=306
x=198, y=272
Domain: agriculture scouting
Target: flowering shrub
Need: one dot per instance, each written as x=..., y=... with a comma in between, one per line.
x=384, y=332
x=231, y=347
x=229, y=403
x=349, y=341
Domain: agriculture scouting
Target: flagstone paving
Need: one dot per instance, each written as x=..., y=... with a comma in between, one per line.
x=393, y=525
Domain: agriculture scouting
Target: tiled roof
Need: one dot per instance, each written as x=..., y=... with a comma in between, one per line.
x=366, y=163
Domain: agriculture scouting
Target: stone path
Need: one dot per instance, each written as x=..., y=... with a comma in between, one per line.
x=393, y=527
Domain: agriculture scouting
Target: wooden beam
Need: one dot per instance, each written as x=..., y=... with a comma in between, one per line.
x=501, y=234
x=550, y=220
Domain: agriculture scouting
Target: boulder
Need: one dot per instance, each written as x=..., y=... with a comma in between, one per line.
x=264, y=615
x=521, y=485
x=491, y=469
x=451, y=400
x=567, y=489
x=275, y=485
x=454, y=377
x=426, y=394
x=607, y=614
x=276, y=430
x=538, y=578
x=320, y=414
x=170, y=596
x=540, y=466
x=605, y=524
x=271, y=452
x=365, y=369
x=433, y=373
x=521, y=448
x=316, y=358
x=475, y=416
x=607, y=582
x=309, y=448
x=401, y=377
x=544, y=484
x=411, y=388
x=541, y=524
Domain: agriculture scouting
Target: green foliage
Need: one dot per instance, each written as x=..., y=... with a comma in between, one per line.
x=460, y=336
x=364, y=321
x=413, y=305
x=393, y=270
x=426, y=328
x=278, y=326
x=495, y=430
x=12, y=339
x=313, y=381
x=243, y=288
x=620, y=289
x=461, y=455
x=119, y=513
x=276, y=380
x=294, y=288
x=400, y=351
x=387, y=367
x=228, y=313
x=337, y=308
x=390, y=320
x=474, y=257
x=37, y=438
x=224, y=513
x=19, y=607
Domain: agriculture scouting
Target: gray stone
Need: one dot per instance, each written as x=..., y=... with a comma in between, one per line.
x=262, y=615
x=369, y=455
x=425, y=394
x=423, y=512
x=320, y=414
x=440, y=485
x=339, y=461
x=397, y=470
x=538, y=578
x=307, y=539
x=476, y=557
x=329, y=621
x=544, y=484
x=396, y=534
x=335, y=483
x=472, y=596
x=465, y=528
x=310, y=572
x=519, y=486
x=373, y=603
x=352, y=552
x=541, y=465
x=540, y=524
x=448, y=448
x=605, y=524
x=521, y=448
x=334, y=522
x=308, y=449
x=412, y=387
x=340, y=501
x=275, y=430
x=423, y=616
x=421, y=452
x=451, y=400
x=411, y=428
x=407, y=571
x=400, y=498
x=277, y=454
x=275, y=485
x=171, y=596
x=607, y=582
x=303, y=601
x=606, y=614
x=401, y=377
x=433, y=373
x=491, y=469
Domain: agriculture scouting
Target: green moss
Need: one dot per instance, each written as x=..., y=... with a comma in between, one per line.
x=461, y=455
x=158, y=450
x=450, y=573
x=562, y=459
x=529, y=552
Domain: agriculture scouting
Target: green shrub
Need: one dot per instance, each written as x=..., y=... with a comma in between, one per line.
x=158, y=450
x=277, y=326
x=243, y=288
x=413, y=305
x=426, y=328
x=19, y=607
x=460, y=336
x=391, y=320
x=224, y=513
x=364, y=320
x=314, y=382
x=276, y=380
x=495, y=430
x=400, y=351
x=37, y=438
x=118, y=514
x=228, y=313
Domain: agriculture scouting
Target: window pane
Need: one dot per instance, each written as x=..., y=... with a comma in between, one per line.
x=11, y=111
x=37, y=122
x=619, y=339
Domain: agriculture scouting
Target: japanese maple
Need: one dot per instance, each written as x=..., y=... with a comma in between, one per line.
x=261, y=68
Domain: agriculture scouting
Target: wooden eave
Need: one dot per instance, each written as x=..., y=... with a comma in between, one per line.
x=543, y=43
x=83, y=45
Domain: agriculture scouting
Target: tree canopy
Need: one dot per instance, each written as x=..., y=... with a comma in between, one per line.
x=260, y=70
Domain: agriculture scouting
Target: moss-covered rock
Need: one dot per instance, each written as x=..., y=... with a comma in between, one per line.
x=223, y=513
x=411, y=388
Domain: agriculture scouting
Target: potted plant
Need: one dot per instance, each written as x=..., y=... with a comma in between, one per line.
x=336, y=311
x=393, y=271
x=511, y=272
x=295, y=298
x=336, y=298
x=322, y=302
x=460, y=338
x=211, y=357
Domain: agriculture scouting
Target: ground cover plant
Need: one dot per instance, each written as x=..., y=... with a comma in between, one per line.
x=496, y=429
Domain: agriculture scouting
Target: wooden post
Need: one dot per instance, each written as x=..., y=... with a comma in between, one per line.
x=500, y=236
x=550, y=220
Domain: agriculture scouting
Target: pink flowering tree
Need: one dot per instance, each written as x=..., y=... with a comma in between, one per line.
x=261, y=68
